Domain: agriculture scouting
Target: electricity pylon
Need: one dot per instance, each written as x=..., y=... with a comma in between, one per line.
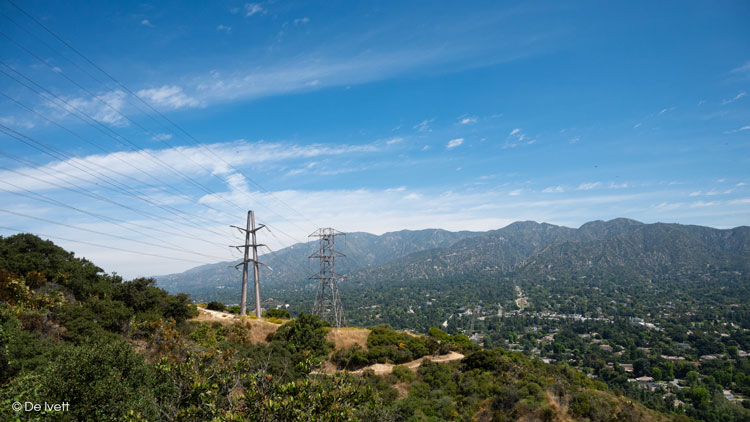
x=250, y=234
x=327, y=302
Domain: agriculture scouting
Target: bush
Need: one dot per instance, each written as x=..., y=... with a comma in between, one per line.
x=385, y=344
x=403, y=374
x=351, y=358
x=306, y=333
x=216, y=306
x=101, y=381
x=234, y=309
x=277, y=313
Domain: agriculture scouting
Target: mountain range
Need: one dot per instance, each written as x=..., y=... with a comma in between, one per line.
x=523, y=249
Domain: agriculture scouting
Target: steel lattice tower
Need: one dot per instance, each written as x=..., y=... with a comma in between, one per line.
x=327, y=301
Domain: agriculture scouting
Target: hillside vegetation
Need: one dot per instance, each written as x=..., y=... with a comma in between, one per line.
x=125, y=350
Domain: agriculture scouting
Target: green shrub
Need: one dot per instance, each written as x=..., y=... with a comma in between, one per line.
x=351, y=358
x=277, y=313
x=386, y=344
x=403, y=373
x=216, y=306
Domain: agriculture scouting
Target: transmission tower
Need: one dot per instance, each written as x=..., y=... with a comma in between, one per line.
x=250, y=242
x=327, y=301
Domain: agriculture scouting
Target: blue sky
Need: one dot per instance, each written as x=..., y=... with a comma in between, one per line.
x=364, y=118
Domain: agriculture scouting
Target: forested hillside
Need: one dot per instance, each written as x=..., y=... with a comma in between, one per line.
x=117, y=350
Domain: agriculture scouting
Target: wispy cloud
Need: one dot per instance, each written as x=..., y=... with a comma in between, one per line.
x=253, y=9
x=394, y=141
x=424, y=126
x=516, y=138
x=515, y=192
x=454, y=143
x=187, y=160
x=398, y=189
x=168, y=96
x=743, y=128
x=301, y=21
x=575, y=140
x=613, y=185
x=106, y=107
x=224, y=28
x=739, y=95
x=589, y=186
x=146, y=22
x=467, y=120
x=745, y=68
x=162, y=137
x=554, y=189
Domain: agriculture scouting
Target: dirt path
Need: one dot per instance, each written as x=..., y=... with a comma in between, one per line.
x=387, y=368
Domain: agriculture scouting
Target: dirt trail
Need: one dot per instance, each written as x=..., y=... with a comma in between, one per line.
x=259, y=329
x=387, y=368
x=342, y=337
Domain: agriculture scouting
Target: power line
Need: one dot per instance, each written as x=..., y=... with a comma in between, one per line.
x=174, y=190
x=181, y=129
x=107, y=234
x=103, y=246
x=43, y=198
x=120, y=84
x=22, y=138
x=98, y=125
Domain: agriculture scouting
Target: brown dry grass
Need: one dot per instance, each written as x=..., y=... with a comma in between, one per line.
x=348, y=337
x=259, y=329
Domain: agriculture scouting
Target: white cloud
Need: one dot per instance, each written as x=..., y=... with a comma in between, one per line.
x=425, y=148
x=740, y=184
x=696, y=193
x=148, y=23
x=162, y=137
x=697, y=204
x=14, y=121
x=515, y=192
x=554, y=189
x=398, y=189
x=468, y=120
x=252, y=9
x=454, y=143
x=107, y=107
x=195, y=161
x=575, y=140
x=742, y=69
x=589, y=186
x=743, y=128
x=224, y=28
x=618, y=185
x=303, y=169
x=169, y=96
x=301, y=21
x=424, y=126
x=516, y=138
x=394, y=141
x=739, y=95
